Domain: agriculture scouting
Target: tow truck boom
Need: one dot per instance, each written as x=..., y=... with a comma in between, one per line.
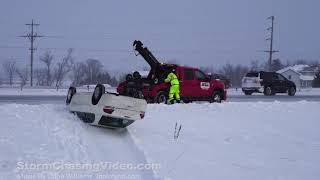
x=146, y=54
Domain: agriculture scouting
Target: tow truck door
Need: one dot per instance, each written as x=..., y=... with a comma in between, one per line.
x=202, y=84
x=187, y=83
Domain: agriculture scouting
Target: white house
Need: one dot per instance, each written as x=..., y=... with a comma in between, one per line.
x=296, y=74
x=292, y=76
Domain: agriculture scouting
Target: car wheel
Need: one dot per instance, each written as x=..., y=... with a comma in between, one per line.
x=71, y=92
x=216, y=97
x=292, y=91
x=268, y=91
x=161, y=97
x=99, y=90
x=247, y=93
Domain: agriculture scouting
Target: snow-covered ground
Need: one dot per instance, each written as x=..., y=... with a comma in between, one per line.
x=49, y=134
x=232, y=140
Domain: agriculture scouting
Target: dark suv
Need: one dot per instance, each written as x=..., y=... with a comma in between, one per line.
x=268, y=83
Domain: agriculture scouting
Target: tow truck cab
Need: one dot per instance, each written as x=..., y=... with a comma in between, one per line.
x=194, y=84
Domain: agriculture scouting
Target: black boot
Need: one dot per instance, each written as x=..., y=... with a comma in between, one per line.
x=172, y=101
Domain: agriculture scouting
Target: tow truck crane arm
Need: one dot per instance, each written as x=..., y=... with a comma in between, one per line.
x=146, y=54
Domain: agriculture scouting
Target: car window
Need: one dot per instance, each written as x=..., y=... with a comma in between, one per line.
x=281, y=78
x=275, y=77
x=188, y=74
x=199, y=75
x=252, y=74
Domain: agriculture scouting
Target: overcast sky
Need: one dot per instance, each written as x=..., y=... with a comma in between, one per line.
x=191, y=32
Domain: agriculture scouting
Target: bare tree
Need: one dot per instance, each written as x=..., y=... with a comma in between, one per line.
x=77, y=73
x=47, y=59
x=40, y=75
x=234, y=73
x=23, y=76
x=9, y=68
x=93, y=68
x=254, y=66
x=63, y=68
x=276, y=65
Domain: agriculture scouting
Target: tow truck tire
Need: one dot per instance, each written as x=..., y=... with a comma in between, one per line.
x=216, y=97
x=99, y=90
x=71, y=92
x=161, y=97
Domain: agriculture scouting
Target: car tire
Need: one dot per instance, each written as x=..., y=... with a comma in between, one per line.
x=99, y=90
x=291, y=91
x=268, y=91
x=71, y=92
x=216, y=97
x=247, y=93
x=161, y=97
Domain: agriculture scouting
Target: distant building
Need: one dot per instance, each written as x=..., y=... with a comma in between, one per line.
x=301, y=75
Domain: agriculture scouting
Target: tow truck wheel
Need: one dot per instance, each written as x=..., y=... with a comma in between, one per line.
x=161, y=97
x=99, y=90
x=216, y=97
x=71, y=92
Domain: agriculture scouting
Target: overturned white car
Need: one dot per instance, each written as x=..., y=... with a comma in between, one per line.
x=105, y=109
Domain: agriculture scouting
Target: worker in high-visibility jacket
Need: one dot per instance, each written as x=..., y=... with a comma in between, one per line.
x=174, y=92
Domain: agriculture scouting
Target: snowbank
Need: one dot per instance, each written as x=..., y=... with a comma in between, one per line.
x=233, y=140
x=33, y=92
x=48, y=134
x=14, y=91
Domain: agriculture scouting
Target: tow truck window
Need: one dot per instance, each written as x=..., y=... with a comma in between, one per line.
x=199, y=75
x=188, y=74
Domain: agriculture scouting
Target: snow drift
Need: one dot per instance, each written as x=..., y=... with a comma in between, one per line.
x=263, y=140
x=233, y=140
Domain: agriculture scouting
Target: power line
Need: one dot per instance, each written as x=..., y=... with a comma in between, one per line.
x=32, y=37
x=271, y=51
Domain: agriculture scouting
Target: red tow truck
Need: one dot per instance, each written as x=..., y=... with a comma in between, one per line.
x=194, y=84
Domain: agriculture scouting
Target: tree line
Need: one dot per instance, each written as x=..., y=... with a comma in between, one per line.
x=91, y=71
x=55, y=71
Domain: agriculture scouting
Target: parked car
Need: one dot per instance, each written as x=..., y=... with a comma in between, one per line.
x=194, y=84
x=268, y=83
x=105, y=109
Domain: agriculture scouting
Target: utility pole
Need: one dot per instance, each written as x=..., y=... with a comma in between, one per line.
x=31, y=36
x=271, y=51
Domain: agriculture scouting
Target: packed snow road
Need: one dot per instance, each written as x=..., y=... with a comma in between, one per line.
x=50, y=99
